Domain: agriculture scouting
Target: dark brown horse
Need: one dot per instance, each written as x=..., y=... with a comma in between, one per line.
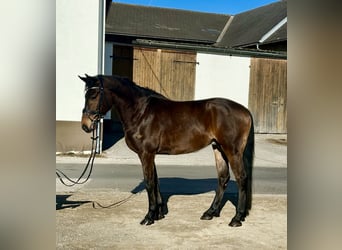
x=154, y=124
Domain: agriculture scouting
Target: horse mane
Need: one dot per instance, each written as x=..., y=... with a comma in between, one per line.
x=142, y=91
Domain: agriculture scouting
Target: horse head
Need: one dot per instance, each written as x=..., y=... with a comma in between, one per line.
x=96, y=102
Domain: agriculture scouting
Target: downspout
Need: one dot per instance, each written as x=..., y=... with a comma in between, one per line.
x=100, y=68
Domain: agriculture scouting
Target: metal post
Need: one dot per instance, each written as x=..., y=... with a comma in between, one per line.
x=98, y=149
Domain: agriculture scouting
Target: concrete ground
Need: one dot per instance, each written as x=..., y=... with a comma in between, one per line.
x=82, y=224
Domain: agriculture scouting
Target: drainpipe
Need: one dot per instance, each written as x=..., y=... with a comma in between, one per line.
x=100, y=66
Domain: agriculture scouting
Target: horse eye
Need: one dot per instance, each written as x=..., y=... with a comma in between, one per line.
x=91, y=94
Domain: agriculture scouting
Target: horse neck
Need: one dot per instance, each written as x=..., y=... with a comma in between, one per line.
x=127, y=101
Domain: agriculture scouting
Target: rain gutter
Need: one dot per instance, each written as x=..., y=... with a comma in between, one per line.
x=210, y=49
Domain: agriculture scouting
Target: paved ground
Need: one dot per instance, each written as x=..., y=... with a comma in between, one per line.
x=81, y=224
x=270, y=151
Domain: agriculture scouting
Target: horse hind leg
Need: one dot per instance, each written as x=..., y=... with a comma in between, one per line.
x=240, y=174
x=223, y=178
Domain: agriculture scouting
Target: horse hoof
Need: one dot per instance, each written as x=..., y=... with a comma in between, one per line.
x=147, y=221
x=235, y=223
x=206, y=217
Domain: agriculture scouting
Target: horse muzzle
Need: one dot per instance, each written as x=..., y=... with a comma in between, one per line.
x=88, y=125
x=87, y=129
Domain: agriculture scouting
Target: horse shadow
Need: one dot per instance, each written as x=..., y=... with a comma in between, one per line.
x=112, y=133
x=180, y=186
x=62, y=202
x=168, y=187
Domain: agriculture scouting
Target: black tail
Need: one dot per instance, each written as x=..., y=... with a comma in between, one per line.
x=248, y=158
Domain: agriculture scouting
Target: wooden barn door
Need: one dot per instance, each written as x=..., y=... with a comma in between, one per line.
x=268, y=95
x=171, y=73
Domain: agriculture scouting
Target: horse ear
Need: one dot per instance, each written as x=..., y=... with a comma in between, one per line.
x=89, y=80
x=83, y=78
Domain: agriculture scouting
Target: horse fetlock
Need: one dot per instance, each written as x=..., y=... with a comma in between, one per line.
x=162, y=210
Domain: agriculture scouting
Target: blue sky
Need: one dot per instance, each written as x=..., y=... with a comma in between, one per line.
x=214, y=6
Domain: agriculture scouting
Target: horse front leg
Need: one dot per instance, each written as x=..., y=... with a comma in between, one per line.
x=161, y=207
x=152, y=188
x=223, y=178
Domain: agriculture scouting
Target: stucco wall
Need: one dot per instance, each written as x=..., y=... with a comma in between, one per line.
x=77, y=52
x=222, y=76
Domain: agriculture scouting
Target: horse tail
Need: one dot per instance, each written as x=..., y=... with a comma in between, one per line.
x=248, y=158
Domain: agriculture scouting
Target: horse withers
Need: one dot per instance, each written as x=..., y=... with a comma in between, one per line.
x=154, y=124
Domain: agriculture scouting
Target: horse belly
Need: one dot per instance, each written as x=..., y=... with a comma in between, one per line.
x=182, y=143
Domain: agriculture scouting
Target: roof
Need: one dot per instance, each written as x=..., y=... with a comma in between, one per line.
x=263, y=25
x=161, y=23
x=279, y=35
x=249, y=27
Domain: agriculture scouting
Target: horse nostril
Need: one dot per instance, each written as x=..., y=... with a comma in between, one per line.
x=85, y=128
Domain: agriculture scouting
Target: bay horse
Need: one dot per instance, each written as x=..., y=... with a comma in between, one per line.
x=154, y=124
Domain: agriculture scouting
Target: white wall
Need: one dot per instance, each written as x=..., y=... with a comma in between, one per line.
x=222, y=76
x=79, y=44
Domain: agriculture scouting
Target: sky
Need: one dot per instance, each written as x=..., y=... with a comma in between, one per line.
x=214, y=6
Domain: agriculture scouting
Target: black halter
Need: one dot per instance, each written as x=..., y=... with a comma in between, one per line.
x=97, y=112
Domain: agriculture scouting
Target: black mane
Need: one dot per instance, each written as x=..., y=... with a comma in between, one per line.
x=144, y=91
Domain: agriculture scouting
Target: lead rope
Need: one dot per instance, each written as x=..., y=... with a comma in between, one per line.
x=90, y=163
x=115, y=204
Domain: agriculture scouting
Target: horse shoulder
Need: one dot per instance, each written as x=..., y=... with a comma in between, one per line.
x=142, y=132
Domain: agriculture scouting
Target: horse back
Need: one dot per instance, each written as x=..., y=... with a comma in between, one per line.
x=174, y=127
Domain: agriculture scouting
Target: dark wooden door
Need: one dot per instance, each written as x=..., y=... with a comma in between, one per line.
x=122, y=61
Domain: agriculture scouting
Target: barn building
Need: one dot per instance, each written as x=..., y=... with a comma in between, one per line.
x=184, y=55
